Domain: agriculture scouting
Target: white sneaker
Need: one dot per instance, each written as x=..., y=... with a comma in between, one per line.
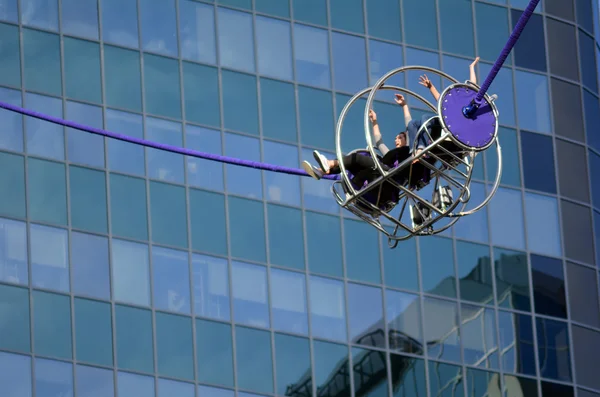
x=312, y=171
x=322, y=161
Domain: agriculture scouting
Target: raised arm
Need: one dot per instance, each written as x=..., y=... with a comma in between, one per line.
x=383, y=149
x=472, y=74
x=400, y=100
x=424, y=80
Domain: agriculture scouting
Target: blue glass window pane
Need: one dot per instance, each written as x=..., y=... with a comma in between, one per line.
x=330, y=358
x=162, y=86
x=286, y=237
x=383, y=19
x=120, y=22
x=437, y=266
x=456, y=20
x=53, y=378
x=474, y=272
x=528, y=51
x=40, y=14
x=130, y=272
x=349, y=62
x=594, y=167
x=254, y=362
x=311, y=50
x=562, y=49
x=278, y=106
x=400, y=266
x=491, y=41
x=548, y=282
x=128, y=207
x=516, y=342
x=13, y=252
x=292, y=355
x=52, y=325
x=442, y=330
x=475, y=226
x=197, y=31
x=204, y=173
x=365, y=311
x=597, y=239
x=362, y=260
x=158, y=22
x=9, y=12
x=123, y=80
x=93, y=332
x=211, y=287
x=317, y=194
x=206, y=391
x=572, y=171
x=311, y=11
x=49, y=257
x=250, y=294
x=243, y=181
x=134, y=339
x=44, y=139
x=123, y=156
x=274, y=46
x=214, y=353
x=41, y=59
x=403, y=314
x=511, y=169
x=89, y=263
x=171, y=280
x=201, y=94
x=577, y=232
x=503, y=87
x=174, y=347
x=94, y=382
x=15, y=375
x=167, y=388
x=327, y=309
x=273, y=7
x=512, y=279
x=533, y=101
x=324, y=242
x=82, y=70
x=246, y=228
x=554, y=352
x=589, y=69
x=384, y=57
x=15, y=329
x=425, y=58
x=13, y=181
x=592, y=119
x=288, y=301
x=507, y=231
x=420, y=24
x=208, y=222
x=281, y=188
x=168, y=214
x=80, y=18
x=316, y=118
x=236, y=47
x=240, y=111
x=47, y=188
x=347, y=15
x=88, y=190
x=585, y=14
x=137, y=385
x=82, y=147
x=163, y=165
x=538, y=170
x=10, y=70
x=11, y=136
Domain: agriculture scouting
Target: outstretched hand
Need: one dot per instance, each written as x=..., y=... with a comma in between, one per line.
x=400, y=100
x=424, y=80
x=472, y=65
x=372, y=116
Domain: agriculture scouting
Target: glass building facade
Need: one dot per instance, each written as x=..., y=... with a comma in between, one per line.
x=128, y=271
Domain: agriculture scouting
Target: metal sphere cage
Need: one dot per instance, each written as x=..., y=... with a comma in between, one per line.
x=411, y=199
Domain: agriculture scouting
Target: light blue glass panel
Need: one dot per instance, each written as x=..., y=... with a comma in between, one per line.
x=122, y=78
x=197, y=31
x=80, y=18
x=93, y=332
x=316, y=118
x=329, y=359
x=12, y=181
x=94, y=382
x=349, y=62
x=365, y=312
x=286, y=237
x=533, y=104
x=311, y=50
x=204, y=173
x=89, y=264
x=214, y=353
x=52, y=325
x=44, y=139
x=327, y=309
x=123, y=156
x=47, y=191
x=437, y=266
x=281, y=188
x=457, y=68
x=10, y=70
x=49, y=257
x=206, y=391
x=383, y=19
x=288, y=301
x=491, y=41
x=174, y=346
x=88, y=190
x=254, y=360
x=324, y=242
x=168, y=388
x=347, y=15
x=129, y=384
x=171, y=280
x=250, y=294
x=543, y=229
x=424, y=58
x=134, y=339
x=441, y=329
x=208, y=221
x=9, y=12
x=400, y=265
x=243, y=181
x=274, y=46
x=201, y=94
x=247, y=229
x=13, y=252
x=362, y=260
x=383, y=57
x=403, y=315
x=273, y=7
x=83, y=147
x=120, y=22
x=247, y=4
x=162, y=86
x=41, y=60
x=53, y=378
x=511, y=164
x=83, y=79
x=240, y=112
x=475, y=226
x=236, y=46
x=11, y=132
x=163, y=165
x=130, y=272
x=15, y=331
x=506, y=219
x=311, y=11
x=168, y=214
x=503, y=87
x=15, y=375
x=158, y=22
x=278, y=107
x=292, y=355
x=420, y=23
x=40, y=14
x=456, y=20
x=317, y=194
x=210, y=276
x=128, y=207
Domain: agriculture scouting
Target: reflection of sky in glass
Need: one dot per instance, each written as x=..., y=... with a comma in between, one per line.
x=403, y=315
x=43, y=138
x=441, y=328
x=53, y=378
x=533, y=101
x=89, y=263
x=13, y=252
x=423, y=58
x=503, y=87
x=242, y=180
x=129, y=384
x=9, y=11
x=49, y=258
x=478, y=329
x=543, y=230
x=204, y=173
x=384, y=57
x=349, y=62
x=288, y=301
x=474, y=226
x=123, y=156
x=171, y=280
x=211, y=287
x=236, y=47
x=311, y=46
x=158, y=26
x=96, y=382
x=506, y=219
x=83, y=147
x=15, y=375
x=120, y=22
x=281, y=188
x=11, y=136
x=274, y=48
x=163, y=165
x=40, y=14
x=317, y=194
x=206, y=391
x=197, y=31
x=80, y=18
x=130, y=268
x=250, y=294
x=327, y=308
x=171, y=388
x=365, y=311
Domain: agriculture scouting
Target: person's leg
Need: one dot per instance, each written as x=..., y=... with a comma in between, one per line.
x=352, y=162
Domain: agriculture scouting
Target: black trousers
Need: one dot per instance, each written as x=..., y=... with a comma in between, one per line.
x=354, y=163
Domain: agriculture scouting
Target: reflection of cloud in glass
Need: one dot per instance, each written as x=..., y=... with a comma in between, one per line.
x=236, y=47
x=130, y=267
x=197, y=31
